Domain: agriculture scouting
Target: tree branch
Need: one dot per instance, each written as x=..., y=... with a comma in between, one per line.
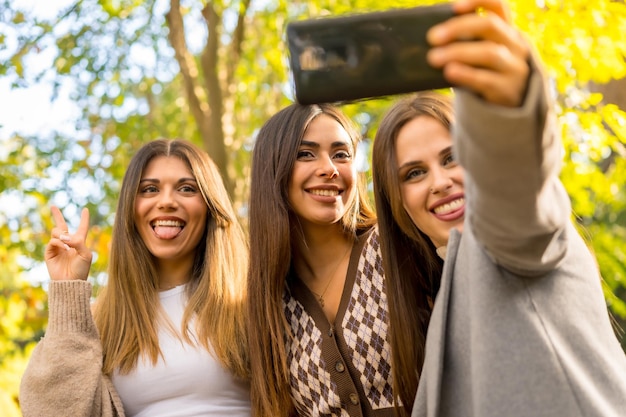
x=235, y=46
x=214, y=140
x=209, y=58
x=188, y=68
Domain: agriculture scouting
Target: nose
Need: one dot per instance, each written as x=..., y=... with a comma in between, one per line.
x=327, y=168
x=167, y=199
x=441, y=180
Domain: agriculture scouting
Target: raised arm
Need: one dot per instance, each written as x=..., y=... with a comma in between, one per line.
x=505, y=137
x=67, y=256
x=64, y=375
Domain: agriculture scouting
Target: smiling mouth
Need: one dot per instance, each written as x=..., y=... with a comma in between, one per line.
x=325, y=193
x=167, y=229
x=450, y=207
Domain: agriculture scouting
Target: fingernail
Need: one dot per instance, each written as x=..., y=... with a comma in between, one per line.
x=436, y=34
x=435, y=57
x=66, y=247
x=64, y=237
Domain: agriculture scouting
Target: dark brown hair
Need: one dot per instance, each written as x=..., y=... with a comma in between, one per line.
x=271, y=232
x=412, y=266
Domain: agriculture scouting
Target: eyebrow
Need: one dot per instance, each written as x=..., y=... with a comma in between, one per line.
x=156, y=180
x=336, y=144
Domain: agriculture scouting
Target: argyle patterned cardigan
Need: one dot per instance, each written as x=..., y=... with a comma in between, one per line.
x=342, y=368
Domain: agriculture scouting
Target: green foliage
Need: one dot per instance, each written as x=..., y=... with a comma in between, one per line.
x=22, y=319
x=13, y=366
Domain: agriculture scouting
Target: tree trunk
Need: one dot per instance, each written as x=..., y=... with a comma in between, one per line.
x=205, y=102
x=614, y=92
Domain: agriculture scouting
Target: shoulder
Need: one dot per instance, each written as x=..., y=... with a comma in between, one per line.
x=367, y=245
x=367, y=237
x=367, y=256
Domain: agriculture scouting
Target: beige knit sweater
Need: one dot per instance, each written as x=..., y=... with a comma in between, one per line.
x=64, y=376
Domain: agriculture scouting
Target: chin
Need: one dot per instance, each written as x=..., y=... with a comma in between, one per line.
x=446, y=237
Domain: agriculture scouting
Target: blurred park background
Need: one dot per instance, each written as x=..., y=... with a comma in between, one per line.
x=83, y=83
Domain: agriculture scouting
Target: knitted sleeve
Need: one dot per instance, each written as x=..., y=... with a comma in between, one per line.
x=516, y=205
x=64, y=375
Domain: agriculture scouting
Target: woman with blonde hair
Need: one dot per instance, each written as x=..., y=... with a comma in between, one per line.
x=167, y=335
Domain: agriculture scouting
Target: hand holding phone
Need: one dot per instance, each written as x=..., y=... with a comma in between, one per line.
x=495, y=64
x=347, y=58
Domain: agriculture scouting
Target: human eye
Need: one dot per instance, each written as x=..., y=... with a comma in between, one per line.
x=449, y=160
x=305, y=154
x=148, y=189
x=414, y=174
x=342, y=155
x=188, y=188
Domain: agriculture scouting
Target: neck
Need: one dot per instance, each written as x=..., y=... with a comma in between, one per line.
x=173, y=274
x=322, y=266
x=312, y=237
x=315, y=257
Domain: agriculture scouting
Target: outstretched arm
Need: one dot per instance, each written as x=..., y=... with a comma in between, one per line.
x=505, y=137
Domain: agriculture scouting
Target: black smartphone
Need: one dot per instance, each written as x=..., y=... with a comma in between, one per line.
x=342, y=59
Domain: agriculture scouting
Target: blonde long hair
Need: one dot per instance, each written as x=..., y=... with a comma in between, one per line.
x=126, y=312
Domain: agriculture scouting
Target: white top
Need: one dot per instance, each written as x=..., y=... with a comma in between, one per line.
x=187, y=382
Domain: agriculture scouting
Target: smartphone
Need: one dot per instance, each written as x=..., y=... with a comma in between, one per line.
x=342, y=59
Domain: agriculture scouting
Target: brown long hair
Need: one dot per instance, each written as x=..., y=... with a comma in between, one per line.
x=271, y=231
x=127, y=310
x=412, y=266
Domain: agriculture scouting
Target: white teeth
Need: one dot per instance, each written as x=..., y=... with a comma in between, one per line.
x=325, y=193
x=448, y=207
x=168, y=223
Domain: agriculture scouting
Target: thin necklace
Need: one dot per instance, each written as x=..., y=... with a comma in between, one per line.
x=320, y=297
x=169, y=287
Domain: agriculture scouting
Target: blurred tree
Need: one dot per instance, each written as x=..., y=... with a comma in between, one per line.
x=583, y=46
x=22, y=319
x=212, y=72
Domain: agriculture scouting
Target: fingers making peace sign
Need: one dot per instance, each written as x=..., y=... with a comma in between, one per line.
x=67, y=255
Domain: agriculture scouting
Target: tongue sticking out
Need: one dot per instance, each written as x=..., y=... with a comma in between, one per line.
x=167, y=232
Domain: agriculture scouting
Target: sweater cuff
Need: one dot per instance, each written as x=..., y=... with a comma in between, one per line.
x=69, y=307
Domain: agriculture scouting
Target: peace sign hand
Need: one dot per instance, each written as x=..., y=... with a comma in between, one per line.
x=67, y=256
